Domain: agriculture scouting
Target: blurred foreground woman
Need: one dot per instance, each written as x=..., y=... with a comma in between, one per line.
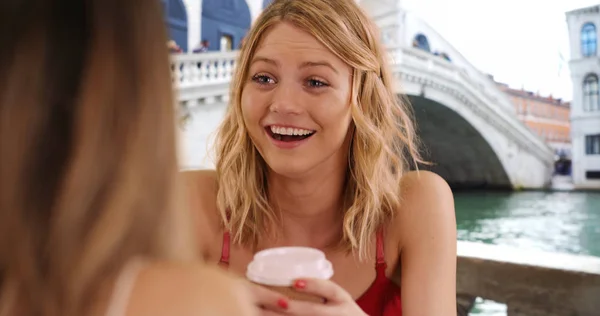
x=89, y=218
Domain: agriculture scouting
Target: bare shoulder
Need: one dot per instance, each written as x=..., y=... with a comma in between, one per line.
x=202, y=185
x=426, y=230
x=201, y=190
x=425, y=185
x=427, y=205
x=188, y=289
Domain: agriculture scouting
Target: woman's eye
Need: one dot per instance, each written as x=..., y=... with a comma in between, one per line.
x=315, y=83
x=263, y=79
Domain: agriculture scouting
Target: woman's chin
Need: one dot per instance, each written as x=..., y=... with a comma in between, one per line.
x=289, y=168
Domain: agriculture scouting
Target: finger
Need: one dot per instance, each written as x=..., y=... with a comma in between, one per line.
x=266, y=312
x=268, y=299
x=302, y=308
x=324, y=288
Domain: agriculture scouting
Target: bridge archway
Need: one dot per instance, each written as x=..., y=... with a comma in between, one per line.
x=225, y=23
x=458, y=151
x=177, y=21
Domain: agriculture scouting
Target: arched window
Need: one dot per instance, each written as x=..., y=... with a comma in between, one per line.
x=421, y=42
x=590, y=93
x=589, y=40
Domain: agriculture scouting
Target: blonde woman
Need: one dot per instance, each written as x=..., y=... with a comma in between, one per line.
x=314, y=151
x=89, y=220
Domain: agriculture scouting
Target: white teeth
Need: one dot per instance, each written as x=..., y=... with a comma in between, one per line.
x=290, y=131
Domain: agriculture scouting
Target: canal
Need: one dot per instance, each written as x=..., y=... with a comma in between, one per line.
x=567, y=222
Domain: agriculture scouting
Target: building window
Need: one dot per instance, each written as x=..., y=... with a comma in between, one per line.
x=590, y=93
x=226, y=43
x=593, y=175
x=421, y=42
x=592, y=144
x=588, y=40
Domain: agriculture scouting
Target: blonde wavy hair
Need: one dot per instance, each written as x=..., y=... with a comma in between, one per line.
x=383, y=146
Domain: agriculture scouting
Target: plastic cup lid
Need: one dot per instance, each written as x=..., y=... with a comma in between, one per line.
x=281, y=266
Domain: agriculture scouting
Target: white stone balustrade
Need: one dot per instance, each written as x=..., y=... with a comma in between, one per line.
x=437, y=64
x=202, y=69
x=202, y=79
x=210, y=69
x=492, y=101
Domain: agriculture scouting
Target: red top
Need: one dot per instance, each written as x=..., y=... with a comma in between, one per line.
x=382, y=298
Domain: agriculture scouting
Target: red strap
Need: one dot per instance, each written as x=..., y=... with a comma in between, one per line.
x=380, y=250
x=226, y=244
x=225, y=248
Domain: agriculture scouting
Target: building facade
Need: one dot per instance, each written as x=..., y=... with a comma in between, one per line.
x=222, y=23
x=585, y=108
x=548, y=117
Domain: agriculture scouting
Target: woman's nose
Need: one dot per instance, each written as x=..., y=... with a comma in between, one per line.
x=287, y=99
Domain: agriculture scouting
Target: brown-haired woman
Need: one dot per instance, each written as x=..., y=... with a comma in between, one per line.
x=90, y=222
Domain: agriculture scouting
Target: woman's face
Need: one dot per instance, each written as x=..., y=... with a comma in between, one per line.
x=296, y=101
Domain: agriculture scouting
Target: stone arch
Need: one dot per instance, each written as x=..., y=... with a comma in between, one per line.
x=225, y=23
x=458, y=151
x=177, y=21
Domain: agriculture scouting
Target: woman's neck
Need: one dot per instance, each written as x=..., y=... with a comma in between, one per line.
x=311, y=208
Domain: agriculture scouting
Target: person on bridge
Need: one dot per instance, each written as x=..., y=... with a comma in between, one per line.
x=90, y=214
x=314, y=151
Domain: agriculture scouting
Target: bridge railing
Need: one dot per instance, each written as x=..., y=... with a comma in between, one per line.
x=202, y=69
x=529, y=283
x=438, y=64
x=488, y=99
x=202, y=78
x=210, y=69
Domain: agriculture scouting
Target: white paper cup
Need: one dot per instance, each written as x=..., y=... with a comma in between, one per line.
x=277, y=268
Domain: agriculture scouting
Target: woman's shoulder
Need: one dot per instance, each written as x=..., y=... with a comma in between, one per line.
x=426, y=228
x=421, y=185
x=427, y=204
x=202, y=183
x=188, y=289
x=201, y=190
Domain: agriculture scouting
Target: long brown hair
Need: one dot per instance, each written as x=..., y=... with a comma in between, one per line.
x=384, y=143
x=88, y=166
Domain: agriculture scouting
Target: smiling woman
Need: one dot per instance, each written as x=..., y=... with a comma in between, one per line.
x=291, y=94
x=314, y=151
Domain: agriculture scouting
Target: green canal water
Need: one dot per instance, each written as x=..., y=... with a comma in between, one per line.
x=566, y=222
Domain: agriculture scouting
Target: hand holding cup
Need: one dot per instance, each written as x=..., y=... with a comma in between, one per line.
x=278, y=268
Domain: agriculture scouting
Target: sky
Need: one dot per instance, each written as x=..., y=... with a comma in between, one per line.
x=519, y=42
